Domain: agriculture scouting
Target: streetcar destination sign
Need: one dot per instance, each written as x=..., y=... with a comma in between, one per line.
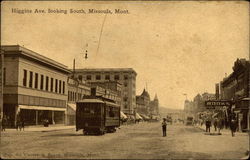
x=217, y=103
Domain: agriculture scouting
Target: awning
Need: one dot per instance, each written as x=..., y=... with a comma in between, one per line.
x=72, y=105
x=41, y=108
x=137, y=116
x=144, y=117
x=123, y=116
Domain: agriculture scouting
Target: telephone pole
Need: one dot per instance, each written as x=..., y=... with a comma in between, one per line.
x=1, y=84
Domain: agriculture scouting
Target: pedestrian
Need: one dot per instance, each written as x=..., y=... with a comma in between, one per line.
x=21, y=124
x=18, y=122
x=233, y=126
x=4, y=123
x=164, y=127
x=219, y=124
x=208, y=125
x=215, y=123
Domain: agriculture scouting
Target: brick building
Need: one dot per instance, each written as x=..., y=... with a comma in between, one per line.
x=124, y=76
x=35, y=87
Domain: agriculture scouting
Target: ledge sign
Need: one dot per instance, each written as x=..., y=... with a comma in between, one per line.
x=214, y=103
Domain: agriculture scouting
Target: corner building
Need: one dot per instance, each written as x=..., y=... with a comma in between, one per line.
x=124, y=76
x=35, y=87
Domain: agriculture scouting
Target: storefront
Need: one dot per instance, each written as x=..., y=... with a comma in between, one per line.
x=242, y=112
x=35, y=115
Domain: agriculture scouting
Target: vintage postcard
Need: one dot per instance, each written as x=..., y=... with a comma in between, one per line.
x=124, y=80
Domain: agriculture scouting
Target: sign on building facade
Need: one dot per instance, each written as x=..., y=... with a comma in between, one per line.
x=212, y=104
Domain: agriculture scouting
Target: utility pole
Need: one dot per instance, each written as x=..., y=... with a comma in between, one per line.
x=1, y=84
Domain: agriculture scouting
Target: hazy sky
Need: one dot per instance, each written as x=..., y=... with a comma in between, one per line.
x=175, y=47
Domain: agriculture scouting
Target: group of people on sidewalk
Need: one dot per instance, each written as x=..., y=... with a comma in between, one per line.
x=218, y=125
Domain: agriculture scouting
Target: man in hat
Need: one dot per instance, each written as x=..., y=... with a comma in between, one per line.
x=164, y=127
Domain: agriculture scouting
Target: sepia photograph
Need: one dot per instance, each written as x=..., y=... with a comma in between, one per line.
x=125, y=79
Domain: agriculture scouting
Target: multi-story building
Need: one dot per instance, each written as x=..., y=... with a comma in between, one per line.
x=110, y=90
x=125, y=76
x=142, y=102
x=35, y=87
x=76, y=91
x=235, y=87
x=154, y=106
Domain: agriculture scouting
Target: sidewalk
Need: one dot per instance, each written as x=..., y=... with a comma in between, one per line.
x=222, y=131
x=41, y=128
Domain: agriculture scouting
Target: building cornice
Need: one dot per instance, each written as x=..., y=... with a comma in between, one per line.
x=33, y=56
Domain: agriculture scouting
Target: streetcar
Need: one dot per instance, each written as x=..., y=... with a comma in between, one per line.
x=97, y=115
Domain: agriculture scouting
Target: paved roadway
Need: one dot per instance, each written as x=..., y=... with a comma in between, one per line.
x=138, y=141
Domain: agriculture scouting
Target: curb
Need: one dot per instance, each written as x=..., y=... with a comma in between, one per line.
x=50, y=130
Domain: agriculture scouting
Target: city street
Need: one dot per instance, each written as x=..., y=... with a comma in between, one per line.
x=137, y=141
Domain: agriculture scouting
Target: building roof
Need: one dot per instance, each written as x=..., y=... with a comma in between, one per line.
x=106, y=70
x=145, y=93
x=156, y=98
x=22, y=51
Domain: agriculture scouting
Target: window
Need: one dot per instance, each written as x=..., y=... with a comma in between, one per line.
x=41, y=84
x=88, y=77
x=63, y=87
x=31, y=79
x=60, y=86
x=68, y=95
x=117, y=77
x=125, y=99
x=125, y=84
x=24, y=77
x=80, y=77
x=56, y=85
x=51, y=84
x=98, y=77
x=36, y=80
x=125, y=77
x=47, y=83
x=125, y=106
x=107, y=77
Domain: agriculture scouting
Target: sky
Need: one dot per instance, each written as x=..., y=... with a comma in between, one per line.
x=175, y=47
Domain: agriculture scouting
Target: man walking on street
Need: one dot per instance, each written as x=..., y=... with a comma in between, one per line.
x=215, y=124
x=164, y=127
x=233, y=126
x=208, y=125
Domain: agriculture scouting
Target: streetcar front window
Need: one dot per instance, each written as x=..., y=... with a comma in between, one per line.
x=92, y=109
